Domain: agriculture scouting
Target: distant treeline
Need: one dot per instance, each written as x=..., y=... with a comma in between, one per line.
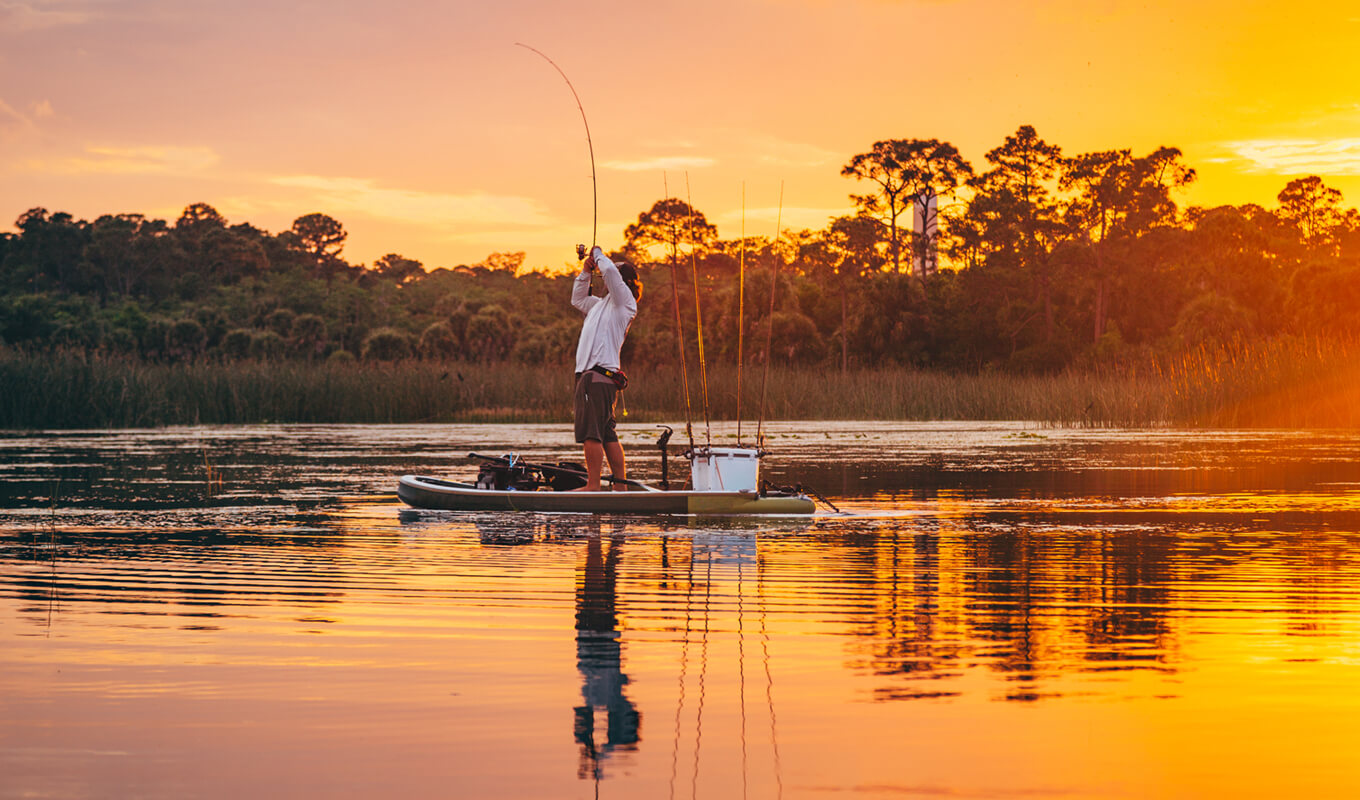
x=1031, y=262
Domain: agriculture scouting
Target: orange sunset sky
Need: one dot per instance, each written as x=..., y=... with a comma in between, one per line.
x=423, y=129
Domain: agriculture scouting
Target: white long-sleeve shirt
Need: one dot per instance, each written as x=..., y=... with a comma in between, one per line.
x=607, y=318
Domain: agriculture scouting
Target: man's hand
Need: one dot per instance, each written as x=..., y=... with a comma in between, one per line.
x=590, y=263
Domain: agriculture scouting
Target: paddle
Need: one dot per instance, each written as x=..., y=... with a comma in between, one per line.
x=564, y=471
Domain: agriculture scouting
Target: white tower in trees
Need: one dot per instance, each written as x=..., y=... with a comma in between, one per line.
x=925, y=235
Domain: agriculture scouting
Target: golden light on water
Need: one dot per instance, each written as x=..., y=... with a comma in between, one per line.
x=1004, y=610
x=1130, y=661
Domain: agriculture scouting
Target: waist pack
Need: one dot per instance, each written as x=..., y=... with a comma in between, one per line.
x=616, y=375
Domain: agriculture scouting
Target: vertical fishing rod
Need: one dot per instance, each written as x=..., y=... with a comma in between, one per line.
x=769, y=334
x=594, y=189
x=741, y=305
x=680, y=330
x=698, y=317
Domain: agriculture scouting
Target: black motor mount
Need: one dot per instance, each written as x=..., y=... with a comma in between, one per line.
x=504, y=476
x=566, y=477
x=522, y=477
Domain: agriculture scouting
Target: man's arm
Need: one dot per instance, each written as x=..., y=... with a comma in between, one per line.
x=617, y=288
x=580, y=291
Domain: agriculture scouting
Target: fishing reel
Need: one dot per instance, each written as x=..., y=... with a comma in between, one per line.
x=580, y=252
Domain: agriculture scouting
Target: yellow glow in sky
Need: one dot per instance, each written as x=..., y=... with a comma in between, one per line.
x=424, y=130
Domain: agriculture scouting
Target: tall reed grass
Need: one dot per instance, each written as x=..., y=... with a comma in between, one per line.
x=1287, y=383
x=1283, y=383
x=79, y=391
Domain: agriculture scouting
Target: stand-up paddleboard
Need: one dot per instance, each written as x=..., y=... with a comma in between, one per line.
x=725, y=481
x=423, y=492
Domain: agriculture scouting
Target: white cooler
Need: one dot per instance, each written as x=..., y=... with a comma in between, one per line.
x=725, y=469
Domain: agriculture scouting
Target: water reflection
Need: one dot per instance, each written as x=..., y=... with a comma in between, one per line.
x=599, y=659
x=642, y=585
x=962, y=636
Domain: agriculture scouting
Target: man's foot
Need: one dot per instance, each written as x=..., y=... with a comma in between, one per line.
x=588, y=488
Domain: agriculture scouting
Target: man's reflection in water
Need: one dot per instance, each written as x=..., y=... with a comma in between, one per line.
x=598, y=657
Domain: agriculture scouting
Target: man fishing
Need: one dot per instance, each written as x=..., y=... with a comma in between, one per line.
x=599, y=378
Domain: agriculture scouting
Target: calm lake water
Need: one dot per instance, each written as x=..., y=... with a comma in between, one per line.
x=1004, y=611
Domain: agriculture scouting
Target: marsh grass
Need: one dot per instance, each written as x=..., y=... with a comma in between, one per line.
x=1283, y=383
x=1287, y=383
x=76, y=390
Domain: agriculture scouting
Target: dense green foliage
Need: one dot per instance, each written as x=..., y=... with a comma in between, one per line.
x=126, y=285
x=1036, y=264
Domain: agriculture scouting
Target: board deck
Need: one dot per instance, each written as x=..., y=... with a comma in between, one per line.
x=421, y=491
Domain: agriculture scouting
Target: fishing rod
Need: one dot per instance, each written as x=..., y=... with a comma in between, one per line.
x=741, y=306
x=594, y=189
x=680, y=329
x=698, y=317
x=769, y=334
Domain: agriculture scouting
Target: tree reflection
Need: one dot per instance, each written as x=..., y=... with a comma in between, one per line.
x=1130, y=600
x=1016, y=600
x=1039, y=603
x=1008, y=584
x=909, y=624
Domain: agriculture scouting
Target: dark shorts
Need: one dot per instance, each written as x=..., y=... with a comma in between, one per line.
x=595, y=396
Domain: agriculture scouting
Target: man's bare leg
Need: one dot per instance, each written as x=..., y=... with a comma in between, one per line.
x=614, y=452
x=594, y=452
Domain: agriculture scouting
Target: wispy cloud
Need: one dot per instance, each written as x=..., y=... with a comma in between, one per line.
x=659, y=163
x=761, y=221
x=784, y=153
x=669, y=144
x=363, y=195
x=14, y=121
x=11, y=118
x=736, y=147
x=148, y=160
x=19, y=17
x=1295, y=156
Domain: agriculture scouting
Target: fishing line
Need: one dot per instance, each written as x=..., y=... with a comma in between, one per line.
x=698, y=317
x=594, y=192
x=769, y=334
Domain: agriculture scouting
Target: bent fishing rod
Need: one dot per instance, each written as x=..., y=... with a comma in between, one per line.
x=594, y=191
